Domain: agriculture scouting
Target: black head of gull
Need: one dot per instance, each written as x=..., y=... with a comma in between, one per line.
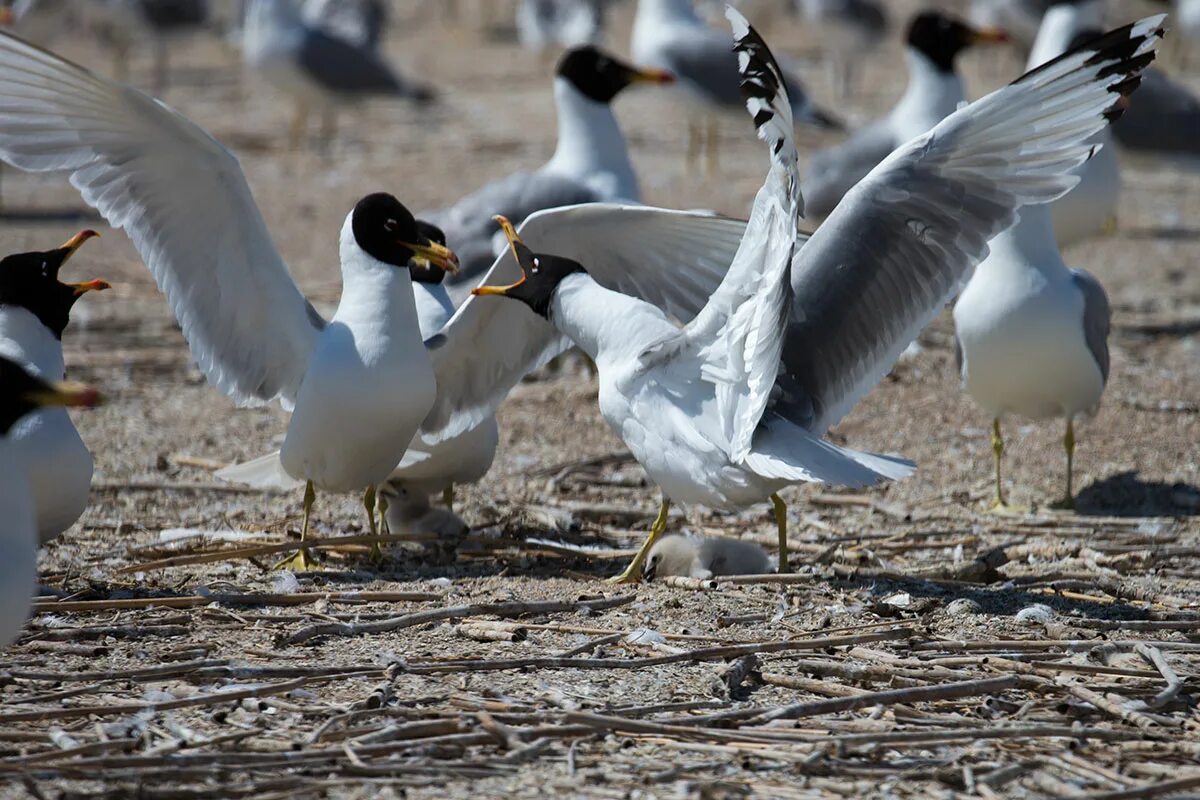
x=388, y=232
x=600, y=76
x=941, y=37
x=22, y=392
x=541, y=274
x=30, y=281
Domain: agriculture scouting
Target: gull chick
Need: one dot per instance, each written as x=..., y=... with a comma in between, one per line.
x=704, y=557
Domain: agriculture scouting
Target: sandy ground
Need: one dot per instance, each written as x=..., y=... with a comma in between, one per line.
x=889, y=597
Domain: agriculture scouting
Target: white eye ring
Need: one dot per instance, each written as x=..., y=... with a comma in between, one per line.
x=390, y=225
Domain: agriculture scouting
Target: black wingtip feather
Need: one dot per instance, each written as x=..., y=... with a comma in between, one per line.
x=1120, y=46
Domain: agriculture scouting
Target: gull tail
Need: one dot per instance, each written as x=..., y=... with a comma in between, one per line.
x=265, y=472
x=788, y=452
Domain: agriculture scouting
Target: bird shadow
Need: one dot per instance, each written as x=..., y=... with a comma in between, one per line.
x=49, y=215
x=1126, y=495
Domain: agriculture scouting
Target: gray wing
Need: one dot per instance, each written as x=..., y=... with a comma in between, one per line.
x=341, y=67
x=1097, y=317
x=833, y=172
x=900, y=244
x=469, y=226
x=706, y=61
x=1163, y=119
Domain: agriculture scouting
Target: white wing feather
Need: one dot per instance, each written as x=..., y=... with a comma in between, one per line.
x=185, y=204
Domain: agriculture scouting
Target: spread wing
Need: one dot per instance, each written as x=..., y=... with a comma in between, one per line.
x=672, y=259
x=900, y=244
x=184, y=202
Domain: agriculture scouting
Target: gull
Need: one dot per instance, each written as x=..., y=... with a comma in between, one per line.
x=358, y=385
x=35, y=308
x=315, y=67
x=1090, y=209
x=1163, y=122
x=865, y=22
x=673, y=260
x=731, y=408
x=360, y=22
x=22, y=393
x=704, y=557
x=669, y=34
x=565, y=23
x=934, y=91
x=590, y=162
x=124, y=23
x=1032, y=336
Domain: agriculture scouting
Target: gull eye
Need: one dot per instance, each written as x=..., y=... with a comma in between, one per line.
x=390, y=225
x=45, y=269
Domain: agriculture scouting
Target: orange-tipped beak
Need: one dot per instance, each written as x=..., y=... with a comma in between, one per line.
x=76, y=241
x=7, y=17
x=64, y=393
x=95, y=285
x=434, y=255
x=651, y=75
x=510, y=233
x=990, y=36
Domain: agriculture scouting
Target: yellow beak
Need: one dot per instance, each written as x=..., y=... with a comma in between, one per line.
x=510, y=233
x=434, y=255
x=64, y=393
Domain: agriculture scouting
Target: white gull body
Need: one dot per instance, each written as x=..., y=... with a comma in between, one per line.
x=57, y=464
x=18, y=545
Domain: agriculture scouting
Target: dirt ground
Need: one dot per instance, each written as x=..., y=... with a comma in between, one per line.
x=902, y=660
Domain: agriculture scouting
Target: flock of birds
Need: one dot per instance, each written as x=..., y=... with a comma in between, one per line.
x=725, y=349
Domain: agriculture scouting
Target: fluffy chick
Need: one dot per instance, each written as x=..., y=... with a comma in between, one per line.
x=704, y=557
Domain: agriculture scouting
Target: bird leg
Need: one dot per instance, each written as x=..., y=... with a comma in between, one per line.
x=1000, y=506
x=302, y=560
x=693, y=144
x=633, y=572
x=369, y=503
x=712, y=145
x=448, y=496
x=780, y=509
x=296, y=132
x=384, y=525
x=1068, y=501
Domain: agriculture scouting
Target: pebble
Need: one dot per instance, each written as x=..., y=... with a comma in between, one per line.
x=1036, y=614
x=963, y=606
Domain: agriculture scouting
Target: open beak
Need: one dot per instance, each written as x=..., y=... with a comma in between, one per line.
x=65, y=393
x=75, y=242
x=433, y=254
x=96, y=285
x=514, y=242
x=650, y=75
x=990, y=36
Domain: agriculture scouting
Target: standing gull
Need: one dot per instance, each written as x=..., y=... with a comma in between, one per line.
x=731, y=408
x=358, y=385
x=934, y=91
x=670, y=34
x=317, y=68
x=1032, y=336
x=22, y=393
x=590, y=163
x=563, y=23
x=35, y=307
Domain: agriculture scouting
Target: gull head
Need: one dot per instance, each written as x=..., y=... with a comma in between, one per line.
x=30, y=280
x=600, y=76
x=387, y=232
x=22, y=392
x=941, y=37
x=540, y=274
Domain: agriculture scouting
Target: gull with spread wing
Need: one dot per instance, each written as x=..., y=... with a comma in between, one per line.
x=358, y=385
x=731, y=408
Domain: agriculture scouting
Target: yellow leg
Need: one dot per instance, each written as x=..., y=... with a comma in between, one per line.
x=383, y=520
x=448, y=496
x=1068, y=500
x=998, y=455
x=633, y=573
x=780, y=509
x=302, y=560
x=369, y=505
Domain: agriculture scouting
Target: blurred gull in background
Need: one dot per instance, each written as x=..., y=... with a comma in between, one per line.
x=317, y=68
x=542, y=24
x=590, y=163
x=670, y=34
x=934, y=91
